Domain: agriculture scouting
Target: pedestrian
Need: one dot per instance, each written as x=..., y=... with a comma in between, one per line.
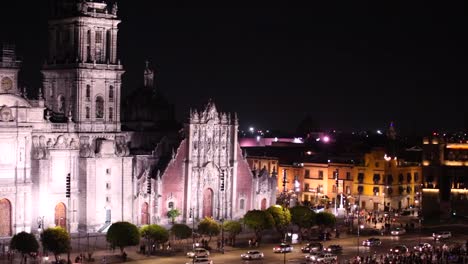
x=250, y=243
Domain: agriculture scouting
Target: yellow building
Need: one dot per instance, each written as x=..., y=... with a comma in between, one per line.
x=385, y=182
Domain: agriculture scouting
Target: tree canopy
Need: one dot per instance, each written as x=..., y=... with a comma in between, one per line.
x=155, y=233
x=123, y=234
x=281, y=217
x=259, y=220
x=181, y=231
x=25, y=243
x=173, y=214
x=56, y=240
x=302, y=216
x=209, y=227
x=233, y=228
x=325, y=219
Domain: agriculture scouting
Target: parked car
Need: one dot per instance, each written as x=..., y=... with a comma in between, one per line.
x=397, y=231
x=201, y=260
x=333, y=249
x=252, y=254
x=371, y=242
x=283, y=248
x=198, y=253
x=399, y=249
x=326, y=257
x=423, y=247
x=312, y=247
x=442, y=235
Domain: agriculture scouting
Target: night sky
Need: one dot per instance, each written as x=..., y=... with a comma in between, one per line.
x=351, y=66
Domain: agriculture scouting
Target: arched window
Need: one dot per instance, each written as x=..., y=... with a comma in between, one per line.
x=99, y=107
x=88, y=46
x=111, y=113
x=61, y=104
x=87, y=112
x=88, y=92
x=111, y=93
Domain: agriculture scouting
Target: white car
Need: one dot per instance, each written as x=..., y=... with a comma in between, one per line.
x=442, y=235
x=397, y=231
x=252, y=254
x=423, y=247
x=312, y=256
x=200, y=261
x=198, y=253
x=326, y=257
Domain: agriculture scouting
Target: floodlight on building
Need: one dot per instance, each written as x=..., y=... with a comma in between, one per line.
x=326, y=139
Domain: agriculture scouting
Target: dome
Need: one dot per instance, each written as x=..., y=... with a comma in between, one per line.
x=12, y=100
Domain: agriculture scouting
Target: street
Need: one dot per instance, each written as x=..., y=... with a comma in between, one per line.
x=349, y=245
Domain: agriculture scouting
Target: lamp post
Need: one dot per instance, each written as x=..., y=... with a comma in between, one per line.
x=358, y=222
x=222, y=235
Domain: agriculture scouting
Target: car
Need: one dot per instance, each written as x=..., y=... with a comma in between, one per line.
x=198, y=253
x=423, y=247
x=312, y=256
x=333, y=249
x=399, y=249
x=397, y=231
x=252, y=254
x=312, y=247
x=371, y=242
x=283, y=248
x=201, y=260
x=442, y=235
x=326, y=257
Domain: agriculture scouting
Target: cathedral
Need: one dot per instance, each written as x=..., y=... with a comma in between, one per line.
x=68, y=158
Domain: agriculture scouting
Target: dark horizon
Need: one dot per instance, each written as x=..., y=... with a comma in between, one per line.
x=350, y=66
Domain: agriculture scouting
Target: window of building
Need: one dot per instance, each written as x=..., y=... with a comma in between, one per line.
x=170, y=205
x=241, y=204
x=320, y=175
x=88, y=110
x=360, y=177
x=376, y=178
x=98, y=36
x=107, y=199
x=307, y=174
x=306, y=187
x=111, y=113
x=99, y=107
x=108, y=185
x=348, y=176
x=111, y=93
x=377, y=164
x=408, y=177
x=88, y=92
x=416, y=177
x=400, y=178
x=108, y=171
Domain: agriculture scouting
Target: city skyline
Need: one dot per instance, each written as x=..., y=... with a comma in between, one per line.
x=349, y=66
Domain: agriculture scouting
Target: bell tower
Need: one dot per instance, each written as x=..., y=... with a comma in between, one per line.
x=82, y=74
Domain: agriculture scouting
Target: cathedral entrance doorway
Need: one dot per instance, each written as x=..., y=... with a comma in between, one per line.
x=61, y=215
x=144, y=214
x=263, y=205
x=5, y=218
x=208, y=203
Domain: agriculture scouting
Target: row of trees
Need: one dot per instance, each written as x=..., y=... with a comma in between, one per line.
x=279, y=218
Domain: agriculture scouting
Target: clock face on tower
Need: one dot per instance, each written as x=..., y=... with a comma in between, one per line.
x=6, y=84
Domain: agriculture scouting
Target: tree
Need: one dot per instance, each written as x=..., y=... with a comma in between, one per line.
x=25, y=243
x=155, y=234
x=258, y=221
x=209, y=227
x=123, y=234
x=173, y=214
x=56, y=240
x=281, y=217
x=325, y=219
x=233, y=228
x=181, y=231
x=303, y=217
